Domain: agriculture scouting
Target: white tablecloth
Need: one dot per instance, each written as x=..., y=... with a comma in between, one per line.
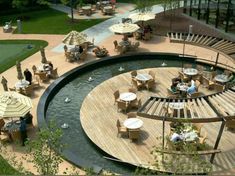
x=190, y=71
x=221, y=78
x=133, y=123
x=143, y=77
x=182, y=87
x=127, y=96
x=21, y=84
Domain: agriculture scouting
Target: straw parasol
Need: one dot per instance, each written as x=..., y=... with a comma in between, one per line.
x=4, y=83
x=19, y=71
x=124, y=28
x=142, y=16
x=75, y=38
x=13, y=104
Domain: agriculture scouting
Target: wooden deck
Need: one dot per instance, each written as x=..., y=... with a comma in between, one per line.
x=99, y=114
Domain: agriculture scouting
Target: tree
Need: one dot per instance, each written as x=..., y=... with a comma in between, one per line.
x=20, y=4
x=66, y=2
x=42, y=150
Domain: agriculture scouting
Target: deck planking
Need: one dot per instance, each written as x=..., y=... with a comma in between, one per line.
x=99, y=115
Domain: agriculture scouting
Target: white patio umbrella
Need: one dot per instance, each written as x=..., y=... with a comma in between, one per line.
x=75, y=38
x=123, y=28
x=142, y=16
x=13, y=104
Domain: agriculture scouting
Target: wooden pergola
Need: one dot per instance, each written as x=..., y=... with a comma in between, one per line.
x=218, y=107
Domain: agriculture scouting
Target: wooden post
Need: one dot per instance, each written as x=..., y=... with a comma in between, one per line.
x=217, y=14
x=208, y=11
x=199, y=10
x=190, y=8
x=217, y=58
x=218, y=140
x=228, y=16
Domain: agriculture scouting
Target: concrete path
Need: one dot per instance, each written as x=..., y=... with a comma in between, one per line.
x=100, y=31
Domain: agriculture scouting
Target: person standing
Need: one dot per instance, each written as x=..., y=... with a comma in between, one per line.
x=23, y=131
x=28, y=76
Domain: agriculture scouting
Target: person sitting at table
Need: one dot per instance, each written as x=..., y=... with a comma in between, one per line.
x=191, y=89
x=65, y=48
x=23, y=131
x=28, y=76
x=80, y=50
x=174, y=87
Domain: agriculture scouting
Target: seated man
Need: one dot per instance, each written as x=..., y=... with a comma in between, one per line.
x=191, y=89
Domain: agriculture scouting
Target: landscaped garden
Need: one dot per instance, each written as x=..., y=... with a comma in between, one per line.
x=6, y=168
x=49, y=21
x=17, y=50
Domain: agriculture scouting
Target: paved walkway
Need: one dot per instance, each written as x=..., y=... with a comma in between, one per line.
x=100, y=31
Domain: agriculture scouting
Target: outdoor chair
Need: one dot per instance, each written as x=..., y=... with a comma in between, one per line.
x=188, y=66
x=183, y=77
x=121, y=49
x=200, y=68
x=93, y=8
x=29, y=90
x=198, y=127
x=171, y=94
x=36, y=83
x=34, y=68
x=121, y=129
x=123, y=106
x=218, y=87
x=134, y=74
x=83, y=55
x=131, y=115
x=115, y=44
x=207, y=83
x=197, y=84
x=42, y=76
x=116, y=96
x=194, y=95
x=150, y=84
x=136, y=104
x=134, y=134
x=152, y=73
x=227, y=72
x=202, y=139
x=147, y=36
x=54, y=73
x=135, y=46
x=80, y=11
x=136, y=84
x=132, y=89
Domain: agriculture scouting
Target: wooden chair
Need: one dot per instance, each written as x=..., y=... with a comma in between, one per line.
x=83, y=55
x=36, y=82
x=183, y=77
x=198, y=127
x=34, y=68
x=230, y=124
x=188, y=66
x=136, y=84
x=131, y=115
x=150, y=84
x=134, y=134
x=207, y=83
x=200, y=68
x=135, y=46
x=12, y=89
x=29, y=90
x=136, y=104
x=202, y=139
x=133, y=90
x=93, y=8
x=122, y=105
x=171, y=94
x=54, y=73
x=121, y=129
x=115, y=45
x=218, y=87
x=147, y=36
x=134, y=74
x=197, y=84
x=42, y=76
x=116, y=96
x=152, y=73
x=121, y=49
x=69, y=57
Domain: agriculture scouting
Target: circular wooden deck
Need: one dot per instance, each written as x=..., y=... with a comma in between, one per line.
x=99, y=114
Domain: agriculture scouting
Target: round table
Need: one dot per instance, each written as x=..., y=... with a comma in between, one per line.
x=133, y=123
x=143, y=77
x=43, y=67
x=190, y=71
x=128, y=96
x=221, y=78
x=21, y=84
x=176, y=105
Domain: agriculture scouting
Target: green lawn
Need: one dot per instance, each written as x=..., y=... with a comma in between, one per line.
x=49, y=21
x=6, y=168
x=17, y=50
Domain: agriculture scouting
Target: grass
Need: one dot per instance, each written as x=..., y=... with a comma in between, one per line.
x=49, y=21
x=6, y=168
x=16, y=50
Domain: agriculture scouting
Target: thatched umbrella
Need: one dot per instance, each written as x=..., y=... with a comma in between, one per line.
x=142, y=16
x=19, y=71
x=4, y=83
x=124, y=28
x=75, y=38
x=44, y=59
x=13, y=104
